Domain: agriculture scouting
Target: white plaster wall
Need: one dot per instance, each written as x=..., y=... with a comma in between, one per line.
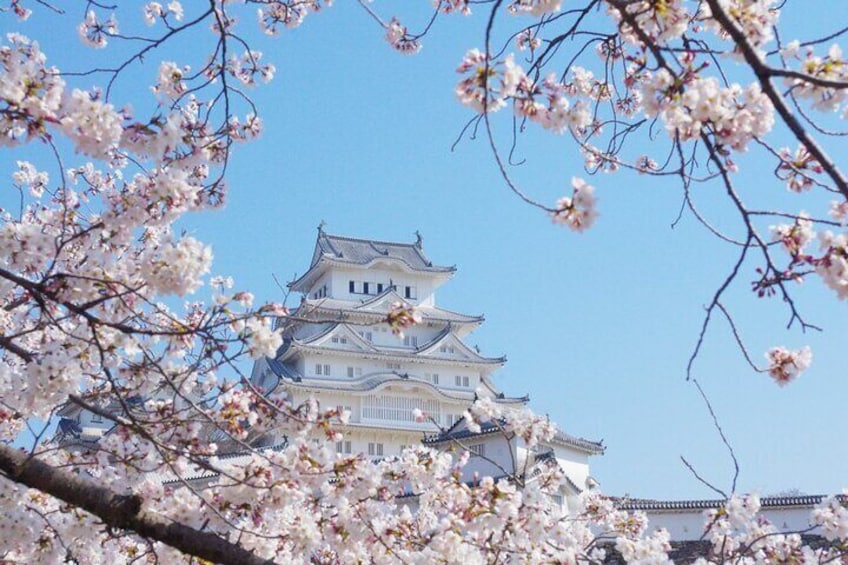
x=575, y=464
x=425, y=285
x=689, y=525
x=497, y=461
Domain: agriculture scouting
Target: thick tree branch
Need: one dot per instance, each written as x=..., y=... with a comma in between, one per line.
x=119, y=511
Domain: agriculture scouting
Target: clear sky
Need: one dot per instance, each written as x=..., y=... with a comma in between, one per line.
x=598, y=327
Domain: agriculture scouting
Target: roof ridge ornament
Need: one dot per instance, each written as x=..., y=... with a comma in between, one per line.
x=419, y=241
x=321, y=231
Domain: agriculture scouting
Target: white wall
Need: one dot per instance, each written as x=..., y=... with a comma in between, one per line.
x=689, y=524
x=424, y=286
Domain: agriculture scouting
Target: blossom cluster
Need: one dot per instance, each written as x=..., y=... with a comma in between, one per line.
x=831, y=68
x=798, y=169
x=402, y=316
x=786, y=365
x=92, y=271
x=287, y=13
x=692, y=105
x=660, y=21
x=578, y=210
x=754, y=18
x=399, y=38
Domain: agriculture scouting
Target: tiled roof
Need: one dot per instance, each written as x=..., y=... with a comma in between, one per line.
x=370, y=382
x=453, y=434
x=290, y=347
x=67, y=426
x=339, y=250
x=765, y=502
x=685, y=552
x=365, y=251
x=166, y=476
x=579, y=442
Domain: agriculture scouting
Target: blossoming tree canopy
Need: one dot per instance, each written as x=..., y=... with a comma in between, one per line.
x=93, y=272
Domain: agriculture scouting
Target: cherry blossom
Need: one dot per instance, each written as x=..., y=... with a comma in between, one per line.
x=94, y=33
x=786, y=365
x=798, y=169
x=833, y=265
x=578, y=210
x=103, y=310
x=399, y=38
x=402, y=316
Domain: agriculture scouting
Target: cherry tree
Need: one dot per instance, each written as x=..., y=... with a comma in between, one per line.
x=94, y=274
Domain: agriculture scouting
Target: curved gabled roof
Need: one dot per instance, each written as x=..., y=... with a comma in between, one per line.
x=368, y=383
x=428, y=352
x=460, y=431
x=340, y=250
x=462, y=352
x=339, y=328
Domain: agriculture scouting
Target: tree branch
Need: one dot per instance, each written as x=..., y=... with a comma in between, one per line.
x=117, y=510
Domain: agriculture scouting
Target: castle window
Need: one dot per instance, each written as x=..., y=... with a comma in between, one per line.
x=478, y=449
x=350, y=372
x=379, y=288
x=375, y=449
x=410, y=340
x=343, y=447
x=365, y=288
x=409, y=292
x=351, y=287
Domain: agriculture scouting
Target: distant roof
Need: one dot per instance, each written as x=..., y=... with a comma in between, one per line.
x=578, y=442
x=631, y=504
x=343, y=250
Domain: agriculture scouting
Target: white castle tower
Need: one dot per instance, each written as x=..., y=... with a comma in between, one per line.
x=343, y=354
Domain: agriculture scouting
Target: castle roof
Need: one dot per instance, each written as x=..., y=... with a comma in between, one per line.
x=349, y=251
x=460, y=431
x=290, y=377
x=455, y=350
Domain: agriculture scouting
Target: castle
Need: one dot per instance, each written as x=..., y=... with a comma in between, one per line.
x=340, y=351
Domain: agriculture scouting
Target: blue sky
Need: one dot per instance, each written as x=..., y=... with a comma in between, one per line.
x=598, y=327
